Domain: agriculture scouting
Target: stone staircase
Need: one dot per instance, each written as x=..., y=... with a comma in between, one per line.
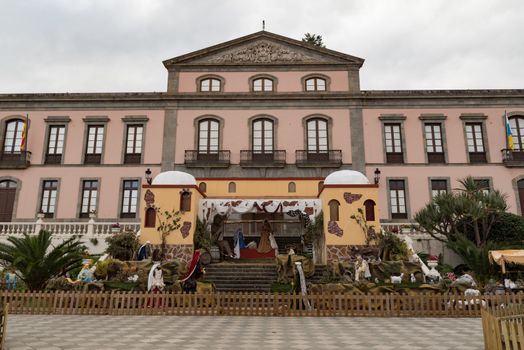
x=249, y=276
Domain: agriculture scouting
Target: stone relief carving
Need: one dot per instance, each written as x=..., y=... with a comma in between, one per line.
x=149, y=197
x=352, y=197
x=263, y=52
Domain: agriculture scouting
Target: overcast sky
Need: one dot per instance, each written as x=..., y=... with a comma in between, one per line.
x=119, y=45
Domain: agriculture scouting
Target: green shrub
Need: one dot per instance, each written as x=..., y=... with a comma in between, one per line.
x=392, y=247
x=508, y=229
x=475, y=258
x=123, y=245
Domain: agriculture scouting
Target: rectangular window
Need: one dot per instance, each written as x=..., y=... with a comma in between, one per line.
x=95, y=142
x=134, y=138
x=48, y=198
x=434, y=148
x=475, y=143
x=55, y=144
x=89, y=197
x=483, y=185
x=129, y=199
x=393, y=142
x=438, y=187
x=397, y=199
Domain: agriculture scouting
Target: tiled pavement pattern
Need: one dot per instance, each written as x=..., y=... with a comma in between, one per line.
x=207, y=332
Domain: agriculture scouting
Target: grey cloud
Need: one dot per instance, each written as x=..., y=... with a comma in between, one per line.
x=117, y=45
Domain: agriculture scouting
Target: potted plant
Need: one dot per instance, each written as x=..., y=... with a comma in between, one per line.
x=115, y=228
x=433, y=261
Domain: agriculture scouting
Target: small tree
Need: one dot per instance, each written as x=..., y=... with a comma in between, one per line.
x=468, y=208
x=35, y=260
x=169, y=221
x=123, y=245
x=313, y=39
x=369, y=230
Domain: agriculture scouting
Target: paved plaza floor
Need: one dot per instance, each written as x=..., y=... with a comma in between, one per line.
x=26, y=332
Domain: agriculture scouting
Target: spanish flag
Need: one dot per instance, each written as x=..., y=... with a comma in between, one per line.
x=509, y=135
x=23, y=145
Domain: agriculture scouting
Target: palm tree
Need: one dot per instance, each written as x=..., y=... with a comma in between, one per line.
x=313, y=39
x=36, y=261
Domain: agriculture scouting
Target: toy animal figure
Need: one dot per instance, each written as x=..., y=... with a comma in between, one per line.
x=397, y=279
x=470, y=292
x=361, y=269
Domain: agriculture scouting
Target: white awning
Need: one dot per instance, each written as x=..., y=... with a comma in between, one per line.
x=208, y=208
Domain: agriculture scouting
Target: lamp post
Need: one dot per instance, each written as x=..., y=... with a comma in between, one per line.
x=149, y=179
x=377, y=176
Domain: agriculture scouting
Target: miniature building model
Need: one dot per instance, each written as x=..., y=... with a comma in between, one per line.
x=336, y=198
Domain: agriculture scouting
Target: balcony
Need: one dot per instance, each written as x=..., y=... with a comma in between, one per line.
x=253, y=159
x=132, y=158
x=53, y=158
x=329, y=159
x=15, y=160
x=436, y=157
x=216, y=159
x=477, y=157
x=511, y=158
x=394, y=157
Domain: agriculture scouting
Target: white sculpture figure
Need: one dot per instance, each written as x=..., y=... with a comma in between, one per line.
x=470, y=292
x=397, y=279
x=509, y=284
x=361, y=269
x=432, y=274
x=413, y=279
x=155, y=281
x=303, y=289
x=465, y=280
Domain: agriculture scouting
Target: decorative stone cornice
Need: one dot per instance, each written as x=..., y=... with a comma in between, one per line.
x=392, y=117
x=57, y=119
x=264, y=48
x=432, y=116
x=264, y=52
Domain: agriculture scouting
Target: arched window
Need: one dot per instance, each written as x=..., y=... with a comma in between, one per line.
x=210, y=85
x=333, y=210
x=517, y=131
x=315, y=84
x=232, y=187
x=7, y=184
x=185, y=201
x=369, y=206
x=208, y=136
x=291, y=187
x=320, y=186
x=202, y=187
x=317, y=136
x=13, y=136
x=262, y=141
x=150, y=220
x=262, y=84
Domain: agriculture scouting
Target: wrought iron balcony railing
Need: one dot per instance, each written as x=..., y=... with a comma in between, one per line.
x=194, y=158
x=262, y=158
x=330, y=158
x=512, y=158
x=15, y=160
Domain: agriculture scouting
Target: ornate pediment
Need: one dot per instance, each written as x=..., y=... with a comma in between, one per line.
x=263, y=48
x=261, y=52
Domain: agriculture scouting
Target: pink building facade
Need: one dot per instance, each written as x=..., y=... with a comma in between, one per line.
x=260, y=106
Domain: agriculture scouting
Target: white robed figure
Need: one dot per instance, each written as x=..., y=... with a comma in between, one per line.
x=155, y=280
